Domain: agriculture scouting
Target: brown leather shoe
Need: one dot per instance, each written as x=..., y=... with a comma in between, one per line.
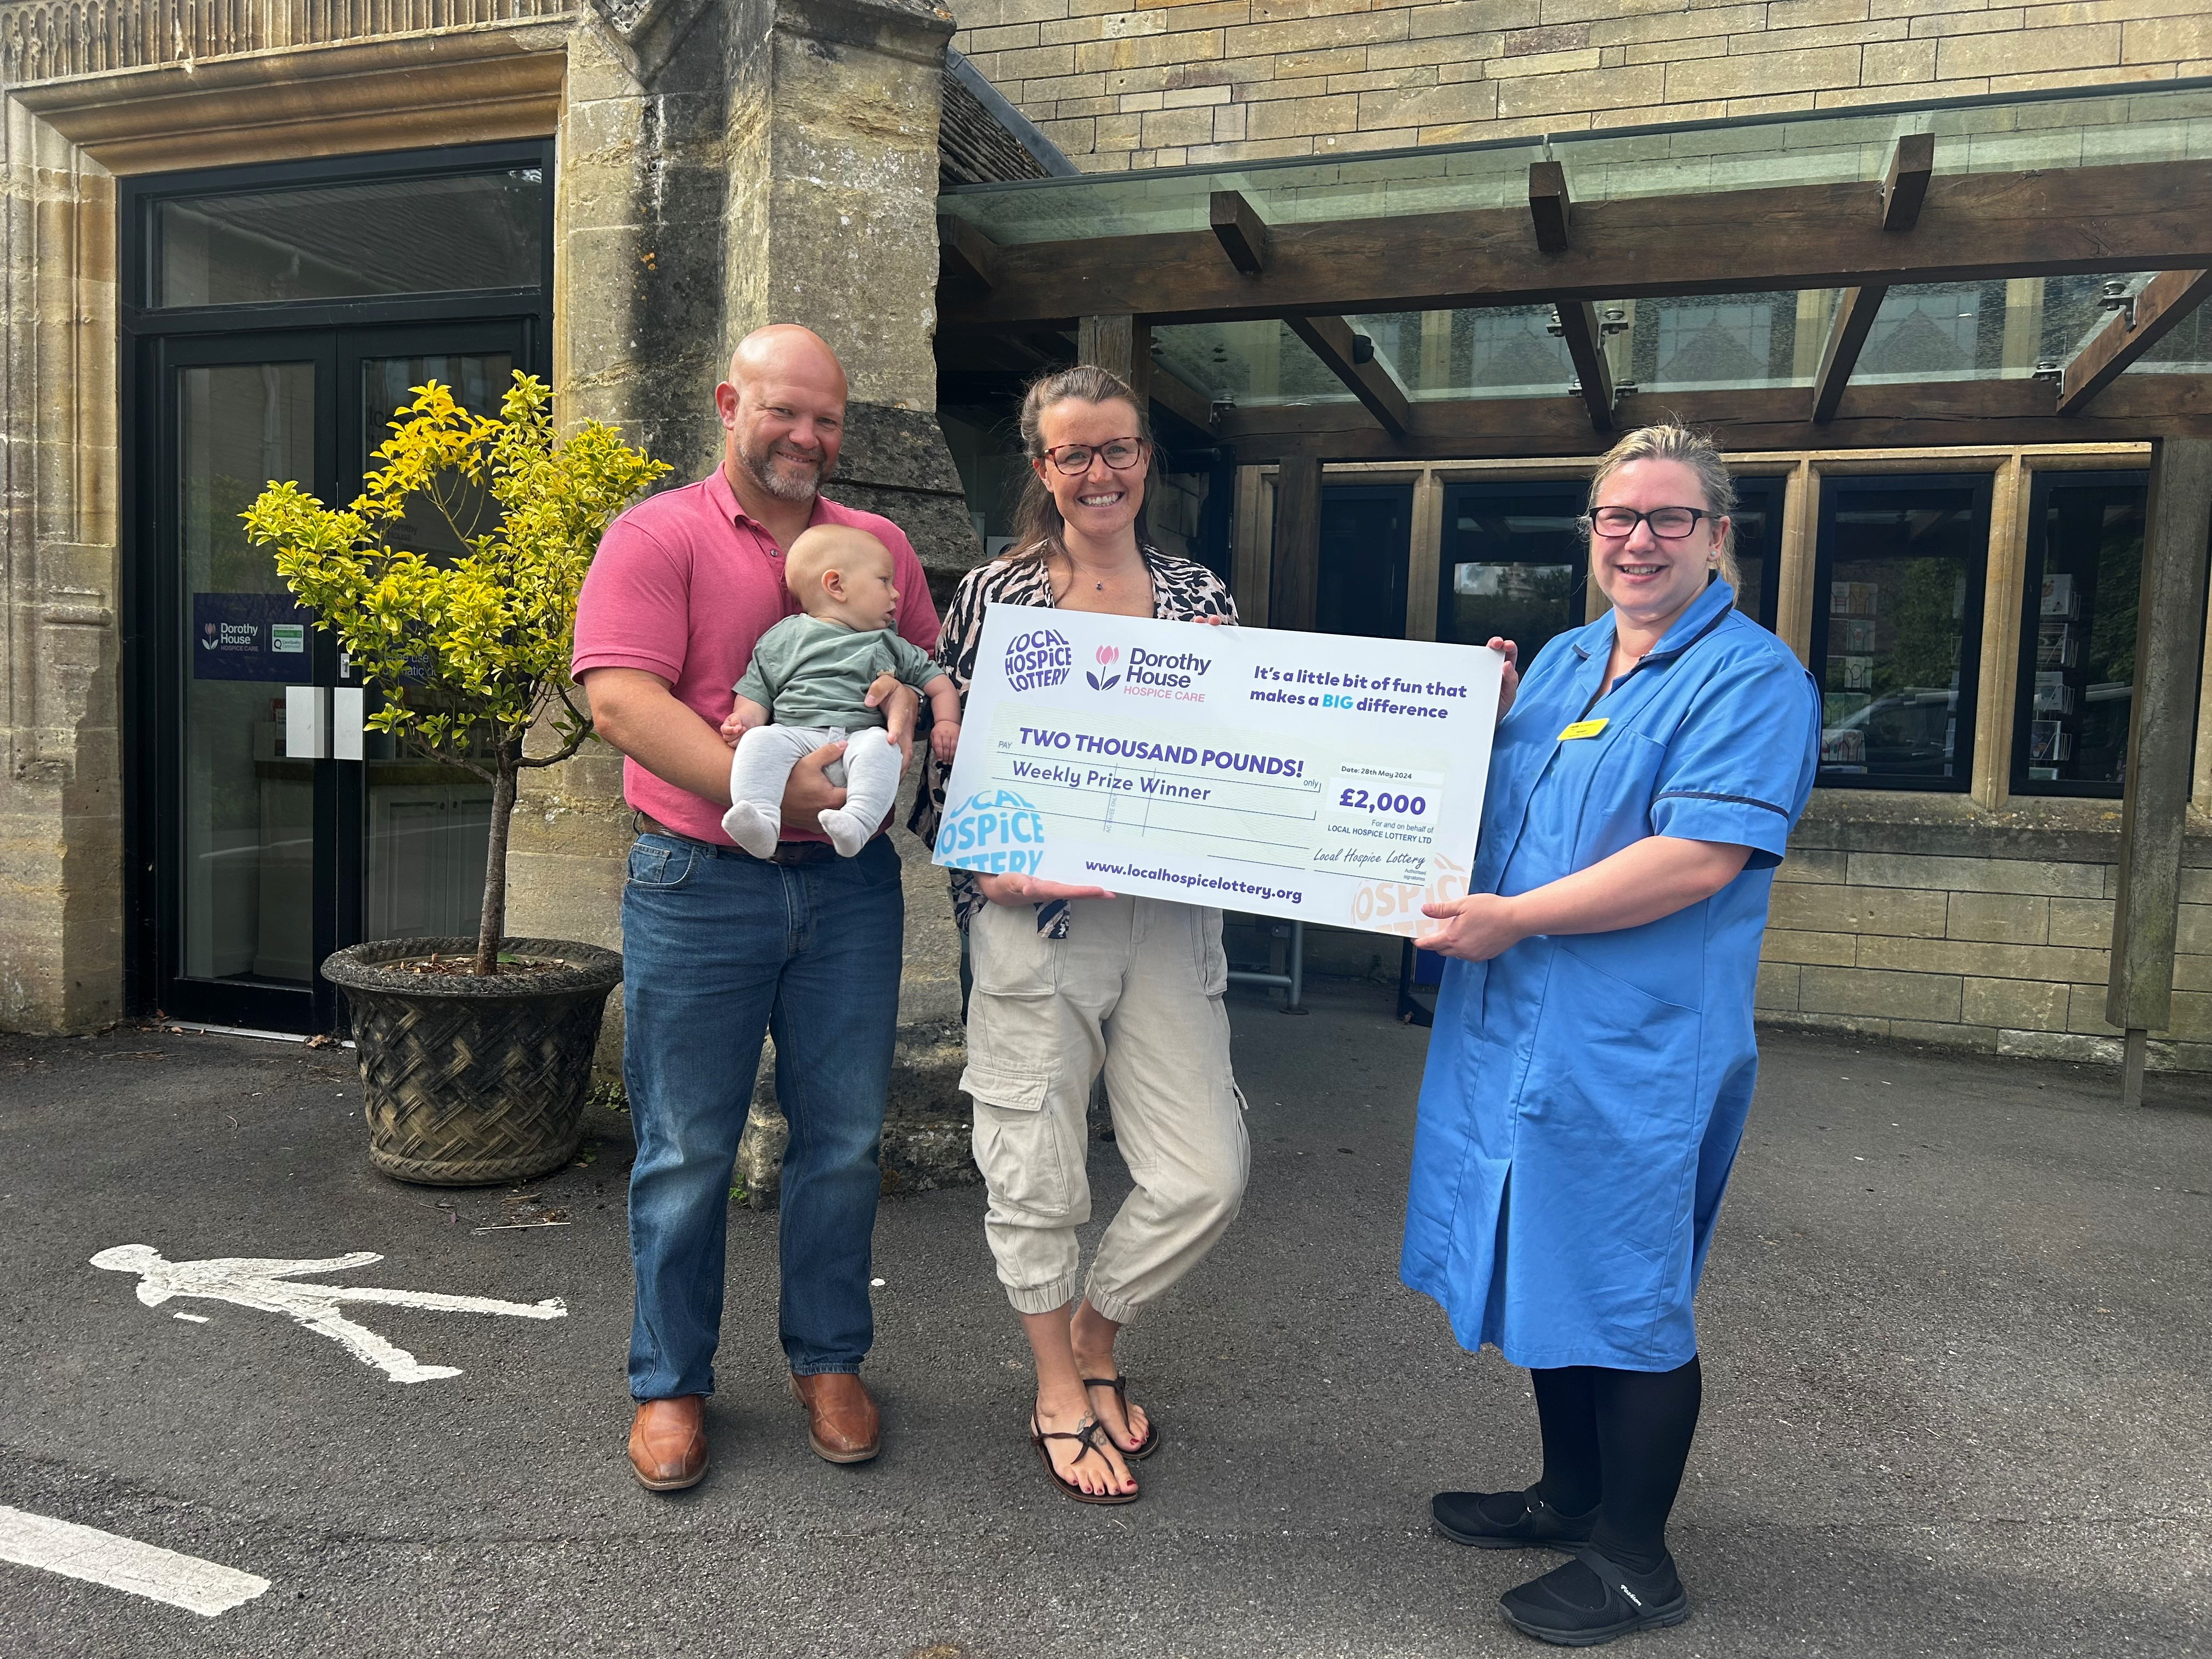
x=668, y=1443
x=841, y=1422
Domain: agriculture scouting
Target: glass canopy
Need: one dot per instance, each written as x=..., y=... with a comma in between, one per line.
x=1714, y=342
x=2098, y=127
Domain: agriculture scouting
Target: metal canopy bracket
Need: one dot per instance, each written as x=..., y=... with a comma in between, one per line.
x=1243, y=232
x=2160, y=304
x=1332, y=340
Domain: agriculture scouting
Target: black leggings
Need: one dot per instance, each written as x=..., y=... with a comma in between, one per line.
x=1616, y=1441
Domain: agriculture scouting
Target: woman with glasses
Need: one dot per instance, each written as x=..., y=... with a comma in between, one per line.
x=1071, y=982
x=1592, y=1058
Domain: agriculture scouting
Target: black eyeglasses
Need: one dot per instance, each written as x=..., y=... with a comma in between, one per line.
x=1667, y=522
x=1120, y=453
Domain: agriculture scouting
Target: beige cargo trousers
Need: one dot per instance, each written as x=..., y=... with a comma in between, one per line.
x=1135, y=988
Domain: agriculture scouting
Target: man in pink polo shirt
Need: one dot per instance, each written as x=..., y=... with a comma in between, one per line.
x=720, y=947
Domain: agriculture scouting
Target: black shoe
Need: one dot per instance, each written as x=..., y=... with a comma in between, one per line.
x=1593, y=1599
x=1509, y=1520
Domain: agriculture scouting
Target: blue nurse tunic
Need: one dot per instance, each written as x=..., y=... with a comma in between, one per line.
x=1585, y=1093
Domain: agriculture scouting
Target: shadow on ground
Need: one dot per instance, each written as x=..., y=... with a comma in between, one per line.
x=1955, y=1339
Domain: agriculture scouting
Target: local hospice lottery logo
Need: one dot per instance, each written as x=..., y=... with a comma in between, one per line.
x=1039, y=660
x=994, y=831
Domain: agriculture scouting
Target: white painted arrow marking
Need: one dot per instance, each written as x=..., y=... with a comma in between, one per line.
x=271, y=1284
x=101, y=1558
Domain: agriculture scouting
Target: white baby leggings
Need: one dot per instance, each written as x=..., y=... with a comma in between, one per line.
x=762, y=766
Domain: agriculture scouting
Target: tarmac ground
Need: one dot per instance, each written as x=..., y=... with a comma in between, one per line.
x=1958, y=1372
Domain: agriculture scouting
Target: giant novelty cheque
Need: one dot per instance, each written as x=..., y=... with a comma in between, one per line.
x=1318, y=776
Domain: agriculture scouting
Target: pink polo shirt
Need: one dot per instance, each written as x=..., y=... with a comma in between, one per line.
x=682, y=586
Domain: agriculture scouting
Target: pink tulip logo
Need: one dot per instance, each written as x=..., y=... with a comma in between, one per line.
x=1107, y=654
x=1105, y=679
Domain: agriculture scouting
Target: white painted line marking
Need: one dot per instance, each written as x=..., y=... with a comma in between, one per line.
x=101, y=1558
x=271, y=1285
x=195, y=1319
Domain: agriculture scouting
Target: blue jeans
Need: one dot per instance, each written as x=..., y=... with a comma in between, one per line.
x=719, y=949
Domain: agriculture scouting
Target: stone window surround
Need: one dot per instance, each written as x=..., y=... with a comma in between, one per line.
x=1989, y=793
x=62, y=143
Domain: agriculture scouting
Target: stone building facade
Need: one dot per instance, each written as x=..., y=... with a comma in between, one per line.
x=1212, y=81
x=722, y=164
x=1982, y=919
x=719, y=167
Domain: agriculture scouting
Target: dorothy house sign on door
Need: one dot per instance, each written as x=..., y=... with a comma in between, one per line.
x=248, y=637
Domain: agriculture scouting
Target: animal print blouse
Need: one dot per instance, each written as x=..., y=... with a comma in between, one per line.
x=1182, y=591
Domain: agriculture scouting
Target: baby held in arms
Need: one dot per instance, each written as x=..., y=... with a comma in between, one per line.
x=810, y=676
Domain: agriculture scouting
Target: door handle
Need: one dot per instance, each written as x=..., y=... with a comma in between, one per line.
x=307, y=725
x=348, y=708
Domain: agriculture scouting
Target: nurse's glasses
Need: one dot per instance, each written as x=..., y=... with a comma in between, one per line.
x=1669, y=524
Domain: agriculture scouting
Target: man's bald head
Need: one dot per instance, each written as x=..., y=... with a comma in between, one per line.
x=787, y=351
x=783, y=409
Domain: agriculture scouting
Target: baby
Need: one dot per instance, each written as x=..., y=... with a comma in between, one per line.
x=810, y=674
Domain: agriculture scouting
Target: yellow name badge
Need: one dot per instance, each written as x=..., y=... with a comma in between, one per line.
x=1582, y=729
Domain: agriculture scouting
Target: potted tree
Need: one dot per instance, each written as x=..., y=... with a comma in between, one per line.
x=475, y=1053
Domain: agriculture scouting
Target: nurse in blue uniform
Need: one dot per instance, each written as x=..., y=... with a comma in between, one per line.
x=1592, y=1058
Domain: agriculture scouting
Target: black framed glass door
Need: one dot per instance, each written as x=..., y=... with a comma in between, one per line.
x=274, y=317
x=282, y=828
x=240, y=795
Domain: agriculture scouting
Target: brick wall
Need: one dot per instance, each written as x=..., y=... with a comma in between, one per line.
x=1211, y=81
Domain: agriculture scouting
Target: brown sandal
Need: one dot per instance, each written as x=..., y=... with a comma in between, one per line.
x=1087, y=1434
x=1120, y=1387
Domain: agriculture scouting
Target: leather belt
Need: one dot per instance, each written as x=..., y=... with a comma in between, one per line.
x=787, y=851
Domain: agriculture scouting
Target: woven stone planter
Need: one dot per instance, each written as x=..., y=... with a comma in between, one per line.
x=471, y=1082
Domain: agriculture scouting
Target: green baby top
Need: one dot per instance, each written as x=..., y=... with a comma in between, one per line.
x=810, y=671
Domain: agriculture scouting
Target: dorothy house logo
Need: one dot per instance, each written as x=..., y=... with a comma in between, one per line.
x=1106, y=679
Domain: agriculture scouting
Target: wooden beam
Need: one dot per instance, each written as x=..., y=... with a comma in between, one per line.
x=1332, y=341
x=2163, y=301
x=1548, y=206
x=965, y=253
x=1847, y=334
x=1929, y=415
x=2149, y=216
x=2162, y=729
x=1294, y=579
x=1121, y=343
x=1578, y=327
x=1242, y=231
x=1907, y=187
x=1182, y=400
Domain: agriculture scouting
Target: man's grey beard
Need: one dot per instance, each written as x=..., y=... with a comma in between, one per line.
x=761, y=464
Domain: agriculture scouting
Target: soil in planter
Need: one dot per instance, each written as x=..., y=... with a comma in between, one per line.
x=463, y=965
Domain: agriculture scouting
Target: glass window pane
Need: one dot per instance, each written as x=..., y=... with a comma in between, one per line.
x=334, y=242
x=248, y=821
x=1366, y=535
x=430, y=823
x=2077, y=650
x=1252, y=365
x=1900, y=572
x=1513, y=564
x=1757, y=523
